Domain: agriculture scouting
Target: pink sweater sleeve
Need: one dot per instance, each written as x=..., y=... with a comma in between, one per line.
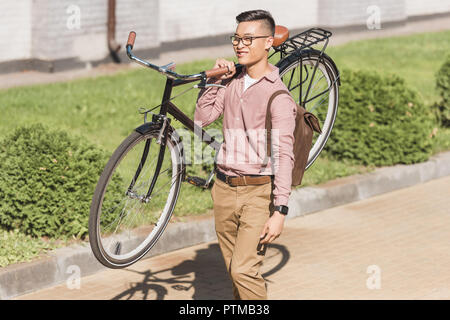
x=284, y=111
x=210, y=103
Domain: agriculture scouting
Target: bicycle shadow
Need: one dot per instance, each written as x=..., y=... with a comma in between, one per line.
x=205, y=274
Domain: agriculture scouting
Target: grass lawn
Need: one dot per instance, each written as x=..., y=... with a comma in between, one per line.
x=105, y=109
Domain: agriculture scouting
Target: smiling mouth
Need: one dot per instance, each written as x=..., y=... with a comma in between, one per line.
x=241, y=54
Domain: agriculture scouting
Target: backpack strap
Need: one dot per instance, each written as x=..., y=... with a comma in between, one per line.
x=269, y=126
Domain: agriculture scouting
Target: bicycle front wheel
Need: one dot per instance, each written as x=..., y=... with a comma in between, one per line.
x=135, y=198
x=312, y=80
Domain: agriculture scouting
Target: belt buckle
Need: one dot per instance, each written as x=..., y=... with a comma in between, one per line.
x=228, y=181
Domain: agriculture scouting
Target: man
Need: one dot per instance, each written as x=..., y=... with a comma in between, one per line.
x=250, y=212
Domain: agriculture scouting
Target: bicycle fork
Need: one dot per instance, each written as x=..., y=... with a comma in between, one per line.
x=164, y=123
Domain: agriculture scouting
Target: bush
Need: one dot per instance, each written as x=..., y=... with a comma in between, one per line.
x=380, y=122
x=47, y=180
x=442, y=109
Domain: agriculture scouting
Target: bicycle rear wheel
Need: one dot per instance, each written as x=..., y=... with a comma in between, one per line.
x=316, y=89
x=124, y=224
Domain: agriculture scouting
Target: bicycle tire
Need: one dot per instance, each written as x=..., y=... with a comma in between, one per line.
x=95, y=238
x=328, y=68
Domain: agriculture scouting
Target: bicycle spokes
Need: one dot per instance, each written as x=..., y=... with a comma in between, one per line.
x=146, y=180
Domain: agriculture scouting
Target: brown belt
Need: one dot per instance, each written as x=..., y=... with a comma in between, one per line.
x=245, y=180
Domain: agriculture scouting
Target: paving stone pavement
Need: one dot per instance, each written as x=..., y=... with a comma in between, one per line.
x=392, y=246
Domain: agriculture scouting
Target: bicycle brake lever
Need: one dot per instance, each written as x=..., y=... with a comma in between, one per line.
x=170, y=66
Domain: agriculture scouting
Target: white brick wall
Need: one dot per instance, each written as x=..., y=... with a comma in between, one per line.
x=202, y=18
x=15, y=30
x=53, y=39
x=40, y=26
x=420, y=7
x=141, y=16
x=354, y=12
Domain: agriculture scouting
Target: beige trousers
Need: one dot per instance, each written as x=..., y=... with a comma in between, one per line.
x=240, y=214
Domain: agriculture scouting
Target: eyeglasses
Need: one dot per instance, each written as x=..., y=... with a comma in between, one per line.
x=246, y=41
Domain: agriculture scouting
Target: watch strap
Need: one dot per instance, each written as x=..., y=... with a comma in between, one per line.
x=282, y=209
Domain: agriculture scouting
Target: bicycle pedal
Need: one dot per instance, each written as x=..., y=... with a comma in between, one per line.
x=196, y=181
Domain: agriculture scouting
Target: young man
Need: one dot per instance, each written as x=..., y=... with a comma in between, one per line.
x=250, y=200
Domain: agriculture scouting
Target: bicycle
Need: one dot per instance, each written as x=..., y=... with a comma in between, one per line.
x=137, y=192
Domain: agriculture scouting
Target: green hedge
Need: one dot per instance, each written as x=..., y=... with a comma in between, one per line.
x=442, y=108
x=380, y=121
x=47, y=179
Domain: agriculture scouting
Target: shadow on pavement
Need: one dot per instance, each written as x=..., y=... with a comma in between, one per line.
x=206, y=273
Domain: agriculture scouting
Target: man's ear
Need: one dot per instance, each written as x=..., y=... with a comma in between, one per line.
x=269, y=43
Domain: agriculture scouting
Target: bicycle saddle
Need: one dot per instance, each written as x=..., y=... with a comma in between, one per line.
x=281, y=35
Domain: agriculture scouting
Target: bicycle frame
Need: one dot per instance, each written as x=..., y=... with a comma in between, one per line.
x=161, y=119
x=173, y=80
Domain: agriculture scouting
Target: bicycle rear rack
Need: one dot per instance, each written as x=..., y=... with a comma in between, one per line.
x=306, y=39
x=303, y=40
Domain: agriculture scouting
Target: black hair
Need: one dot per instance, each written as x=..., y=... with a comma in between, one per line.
x=254, y=15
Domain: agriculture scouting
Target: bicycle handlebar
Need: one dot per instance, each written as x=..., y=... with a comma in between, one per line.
x=131, y=38
x=216, y=72
x=166, y=70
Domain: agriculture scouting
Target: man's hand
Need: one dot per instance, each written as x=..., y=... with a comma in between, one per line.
x=225, y=63
x=273, y=227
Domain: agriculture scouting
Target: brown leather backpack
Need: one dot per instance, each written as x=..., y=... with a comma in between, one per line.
x=305, y=124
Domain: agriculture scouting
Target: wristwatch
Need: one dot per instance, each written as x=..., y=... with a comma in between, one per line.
x=282, y=209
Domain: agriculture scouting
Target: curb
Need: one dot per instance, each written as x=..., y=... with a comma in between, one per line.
x=362, y=186
x=57, y=266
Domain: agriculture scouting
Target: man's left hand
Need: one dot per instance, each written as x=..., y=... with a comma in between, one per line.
x=273, y=227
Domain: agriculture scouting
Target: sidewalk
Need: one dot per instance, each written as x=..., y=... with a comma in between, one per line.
x=339, y=36
x=391, y=246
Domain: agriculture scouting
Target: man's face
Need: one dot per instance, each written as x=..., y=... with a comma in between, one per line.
x=251, y=54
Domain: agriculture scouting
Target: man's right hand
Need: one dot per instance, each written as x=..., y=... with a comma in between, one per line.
x=225, y=63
